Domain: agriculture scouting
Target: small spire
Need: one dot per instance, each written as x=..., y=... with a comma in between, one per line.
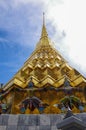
x=43, y=18
x=44, y=31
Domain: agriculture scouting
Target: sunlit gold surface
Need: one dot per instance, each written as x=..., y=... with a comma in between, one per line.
x=47, y=68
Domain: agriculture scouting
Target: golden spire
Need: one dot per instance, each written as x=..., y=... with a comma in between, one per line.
x=44, y=40
x=44, y=31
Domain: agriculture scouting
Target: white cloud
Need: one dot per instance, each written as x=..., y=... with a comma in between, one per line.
x=70, y=16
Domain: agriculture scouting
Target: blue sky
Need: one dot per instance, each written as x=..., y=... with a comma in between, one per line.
x=20, y=30
x=17, y=37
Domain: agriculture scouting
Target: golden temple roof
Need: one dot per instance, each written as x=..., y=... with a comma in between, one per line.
x=45, y=65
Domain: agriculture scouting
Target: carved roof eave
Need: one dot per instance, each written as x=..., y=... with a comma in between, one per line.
x=14, y=81
x=78, y=80
x=73, y=83
x=46, y=80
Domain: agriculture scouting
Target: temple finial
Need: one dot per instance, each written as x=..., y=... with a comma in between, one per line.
x=43, y=18
x=44, y=31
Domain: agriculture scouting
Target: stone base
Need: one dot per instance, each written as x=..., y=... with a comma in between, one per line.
x=33, y=122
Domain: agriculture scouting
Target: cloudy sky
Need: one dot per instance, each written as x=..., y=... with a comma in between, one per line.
x=20, y=29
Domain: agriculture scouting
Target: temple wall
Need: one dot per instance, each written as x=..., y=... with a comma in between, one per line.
x=33, y=122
